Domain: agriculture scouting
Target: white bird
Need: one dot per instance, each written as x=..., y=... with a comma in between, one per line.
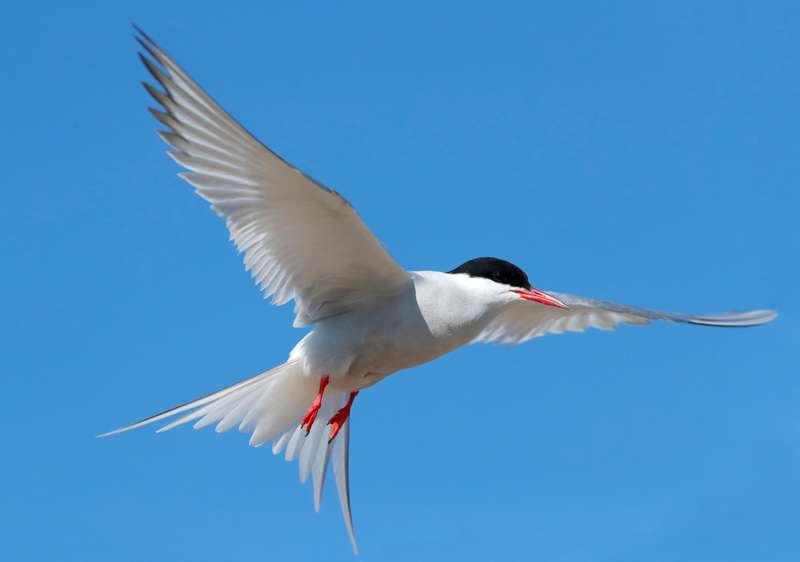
x=304, y=242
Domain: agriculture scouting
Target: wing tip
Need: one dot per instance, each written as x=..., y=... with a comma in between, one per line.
x=142, y=34
x=746, y=319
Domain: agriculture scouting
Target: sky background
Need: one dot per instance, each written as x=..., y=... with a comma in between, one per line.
x=647, y=154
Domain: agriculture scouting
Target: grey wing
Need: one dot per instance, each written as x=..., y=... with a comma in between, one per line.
x=300, y=240
x=522, y=321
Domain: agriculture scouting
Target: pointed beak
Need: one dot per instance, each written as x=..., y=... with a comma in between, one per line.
x=541, y=297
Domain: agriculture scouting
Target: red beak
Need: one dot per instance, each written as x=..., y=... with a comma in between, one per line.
x=541, y=297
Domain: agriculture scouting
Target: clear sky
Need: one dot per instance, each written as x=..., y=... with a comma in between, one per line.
x=615, y=150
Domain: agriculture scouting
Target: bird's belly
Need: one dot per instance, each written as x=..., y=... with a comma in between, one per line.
x=357, y=350
x=381, y=356
x=360, y=347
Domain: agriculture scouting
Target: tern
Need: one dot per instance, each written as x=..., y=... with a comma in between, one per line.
x=304, y=242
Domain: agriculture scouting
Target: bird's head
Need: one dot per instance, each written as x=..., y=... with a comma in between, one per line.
x=513, y=280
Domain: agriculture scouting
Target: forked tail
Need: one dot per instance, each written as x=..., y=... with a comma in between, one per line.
x=270, y=406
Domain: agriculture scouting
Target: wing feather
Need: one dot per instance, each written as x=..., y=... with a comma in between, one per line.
x=522, y=321
x=301, y=241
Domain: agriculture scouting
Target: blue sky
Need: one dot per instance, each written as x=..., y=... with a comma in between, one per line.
x=647, y=154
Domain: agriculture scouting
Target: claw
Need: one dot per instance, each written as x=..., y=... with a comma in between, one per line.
x=313, y=410
x=339, y=418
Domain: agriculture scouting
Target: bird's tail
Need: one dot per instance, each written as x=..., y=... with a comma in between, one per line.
x=270, y=406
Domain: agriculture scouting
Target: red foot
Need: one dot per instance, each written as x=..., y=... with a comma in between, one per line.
x=337, y=421
x=313, y=410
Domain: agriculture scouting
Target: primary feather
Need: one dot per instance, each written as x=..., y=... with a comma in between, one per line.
x=519, y=322
x=300, y=240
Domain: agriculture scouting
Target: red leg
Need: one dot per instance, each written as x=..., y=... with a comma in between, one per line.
x=338, y=419
x=313, y=410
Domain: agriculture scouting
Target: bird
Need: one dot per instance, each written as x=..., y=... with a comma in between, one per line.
x=304, y=242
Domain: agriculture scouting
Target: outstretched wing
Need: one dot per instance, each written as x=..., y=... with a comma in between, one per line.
x=521, y=321
x=300, y=240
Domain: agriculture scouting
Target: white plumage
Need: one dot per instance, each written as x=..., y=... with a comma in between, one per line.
x=518, y=323
x=304, y=242
x=282, y=220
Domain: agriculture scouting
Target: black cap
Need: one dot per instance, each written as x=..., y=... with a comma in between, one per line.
x=495, y=269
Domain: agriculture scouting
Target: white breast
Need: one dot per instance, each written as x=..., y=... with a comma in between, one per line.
x=436, y=314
